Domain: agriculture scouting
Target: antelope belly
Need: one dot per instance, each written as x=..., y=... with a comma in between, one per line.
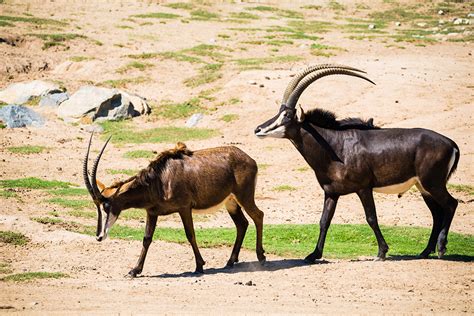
x=398, y=188
x=211, y=209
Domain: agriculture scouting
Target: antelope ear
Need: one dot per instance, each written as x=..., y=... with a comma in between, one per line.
x=100, y=185
x=300, y=113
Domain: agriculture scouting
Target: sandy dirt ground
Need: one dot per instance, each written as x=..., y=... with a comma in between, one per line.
x=428, y=86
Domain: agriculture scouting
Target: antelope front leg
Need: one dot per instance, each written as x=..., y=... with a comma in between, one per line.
x=187, y=219
x=149, y=230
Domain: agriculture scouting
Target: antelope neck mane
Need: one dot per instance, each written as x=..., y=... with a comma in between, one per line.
x=327, y=119
x=152, y=172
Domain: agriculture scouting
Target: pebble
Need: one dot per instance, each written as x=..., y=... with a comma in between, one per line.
x=422, y=24
x=398, y=23
x=252, y=82
x=371, y=26
x=440, y=12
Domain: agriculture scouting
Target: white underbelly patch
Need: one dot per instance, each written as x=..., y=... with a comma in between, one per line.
x=399, y=188
x=212, y=209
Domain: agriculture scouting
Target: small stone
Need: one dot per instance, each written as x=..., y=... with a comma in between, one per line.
x=212, y=41
x=440, y=12
x=441, y=22
x=422, y=24
x=252, y=82
x=398, y=23
x=457, y=21
x=371, y=26
x=261, y=85
x=267, y=77
x=470, y=15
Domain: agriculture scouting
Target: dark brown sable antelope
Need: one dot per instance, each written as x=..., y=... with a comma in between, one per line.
x=181, y=180
x=354, y=156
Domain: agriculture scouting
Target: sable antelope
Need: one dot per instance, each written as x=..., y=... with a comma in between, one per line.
x=354, y=156
x=181, y=180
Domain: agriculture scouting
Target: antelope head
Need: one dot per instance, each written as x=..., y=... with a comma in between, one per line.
x=289, y=115
x=103, y=197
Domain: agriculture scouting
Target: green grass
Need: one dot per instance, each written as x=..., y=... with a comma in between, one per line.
x=290, y=14
x=144, y=55
x=5, y=268
x=8, y=194
x=229, y=117
x=324, y=50
x=128, y=172
x=26, y=150
x=134, y=154
x=134, y=65
x=207, y=74
x=263, y=166
x=203, y=15
x=33, y=183
x=343, y=241
x=80, y=58
x=47, y=220
x=5, y=23
x=180, y=5
x=257, y=63
x=130, y=214
x=302, y=169
x=179, y=56
x=32, y=20
x=123, y=133
x=309, y=26
x=13, y=238
x=123, y=83
x=157, y=15
x=70, y=203
x=334, y=5
x=284, y=187
x=69, y=192
x=464, y=188
x=244, y=15
x=171, y=110
x=263, y=8
x=30, y=276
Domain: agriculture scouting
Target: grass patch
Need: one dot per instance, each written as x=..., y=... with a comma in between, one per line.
x=57, y=39
x=34, y=183
x=172, y=110
x=123, y=133
x=290, y=14
x=336, y=6
x=263, y=8
x=263, y=166
x=33, y=101
x=69, y=192
x=207, y=74
x=302, y=169
x=324, y=50
x=135, y=154
x=68, y=203
x=464, y=188
x=47, y=220
x=157, y=15
x=229, y=118
x=128, y=172
x=5, y=268
x=13, y=238
x=180, y=5
x=179, y=56
x=343, y=241
x=203, y=15
x=134, y=65
x=26, y=150
x=8, y=194
x=123, y=83
x=144, y=55
x=256, y=63
x=32, y=20
x=30, y=276
x=398, y=14
x=244, y=15
x=80, y=58
x=309, y=26
x=284, y=187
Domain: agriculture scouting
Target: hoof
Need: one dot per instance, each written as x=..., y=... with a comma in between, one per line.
x=380, y=258
x=198, y=272
x=262, y=261
x=133, y=273
x=441, y=253
x=310, y=259
x=425, y=254
x=229, y=265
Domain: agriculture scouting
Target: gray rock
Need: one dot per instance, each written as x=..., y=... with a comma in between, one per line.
x=53, y=99
x=371, y=26
x=421, y=24
x=441, y=12
x=398, y=23
x=194, y=119
x=20, y=116
x=101, y=104
x=21, y=92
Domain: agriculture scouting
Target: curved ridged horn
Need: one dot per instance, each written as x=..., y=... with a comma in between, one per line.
x=295, y=95
x=84, y=171
x=94, y=173
x=293, y=83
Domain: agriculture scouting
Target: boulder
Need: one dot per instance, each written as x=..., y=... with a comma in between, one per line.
x=194, y=119
x=96, y=103
x=20, y=116
x=21, y=92
x=53, y=99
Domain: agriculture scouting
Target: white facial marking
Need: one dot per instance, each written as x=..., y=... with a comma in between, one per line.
x=275, y=129
x=399, y=188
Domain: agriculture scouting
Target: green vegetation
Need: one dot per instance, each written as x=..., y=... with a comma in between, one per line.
x=257, y=63
x=324, y=50
x=284, y=187
x=203, y=15
x=244, y=15
x=398, y=14
x=124, y=133
x=13, y=238
x=207, y=74
x=122, y=83
x=309, y=26
x=134, y=154
x=180, y=5
x=5, y=268
x=80, y=58
x=302, y=169
x=57, y=39
x=464, y=188
x=229, y=118
x=8, y=194
x=69, y=192
x=128, y=172
x=26, y=150
x=334, y=5
x=130, y=214
x=181, y=57
x=173, y=110
x=32, y=20
x=343, y=241
x=29, y=276
x=69, y=203
x=144, y=55
x=33, y=101
x=263, y=166
x=134, y=65
x=312, y=7
x=290, y=14
x=263, y=8
x=33, y=183
x=47, y=220
x=157, y=15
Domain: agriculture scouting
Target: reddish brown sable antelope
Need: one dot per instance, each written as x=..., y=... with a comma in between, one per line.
x=354, y=156
x=180, y=180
